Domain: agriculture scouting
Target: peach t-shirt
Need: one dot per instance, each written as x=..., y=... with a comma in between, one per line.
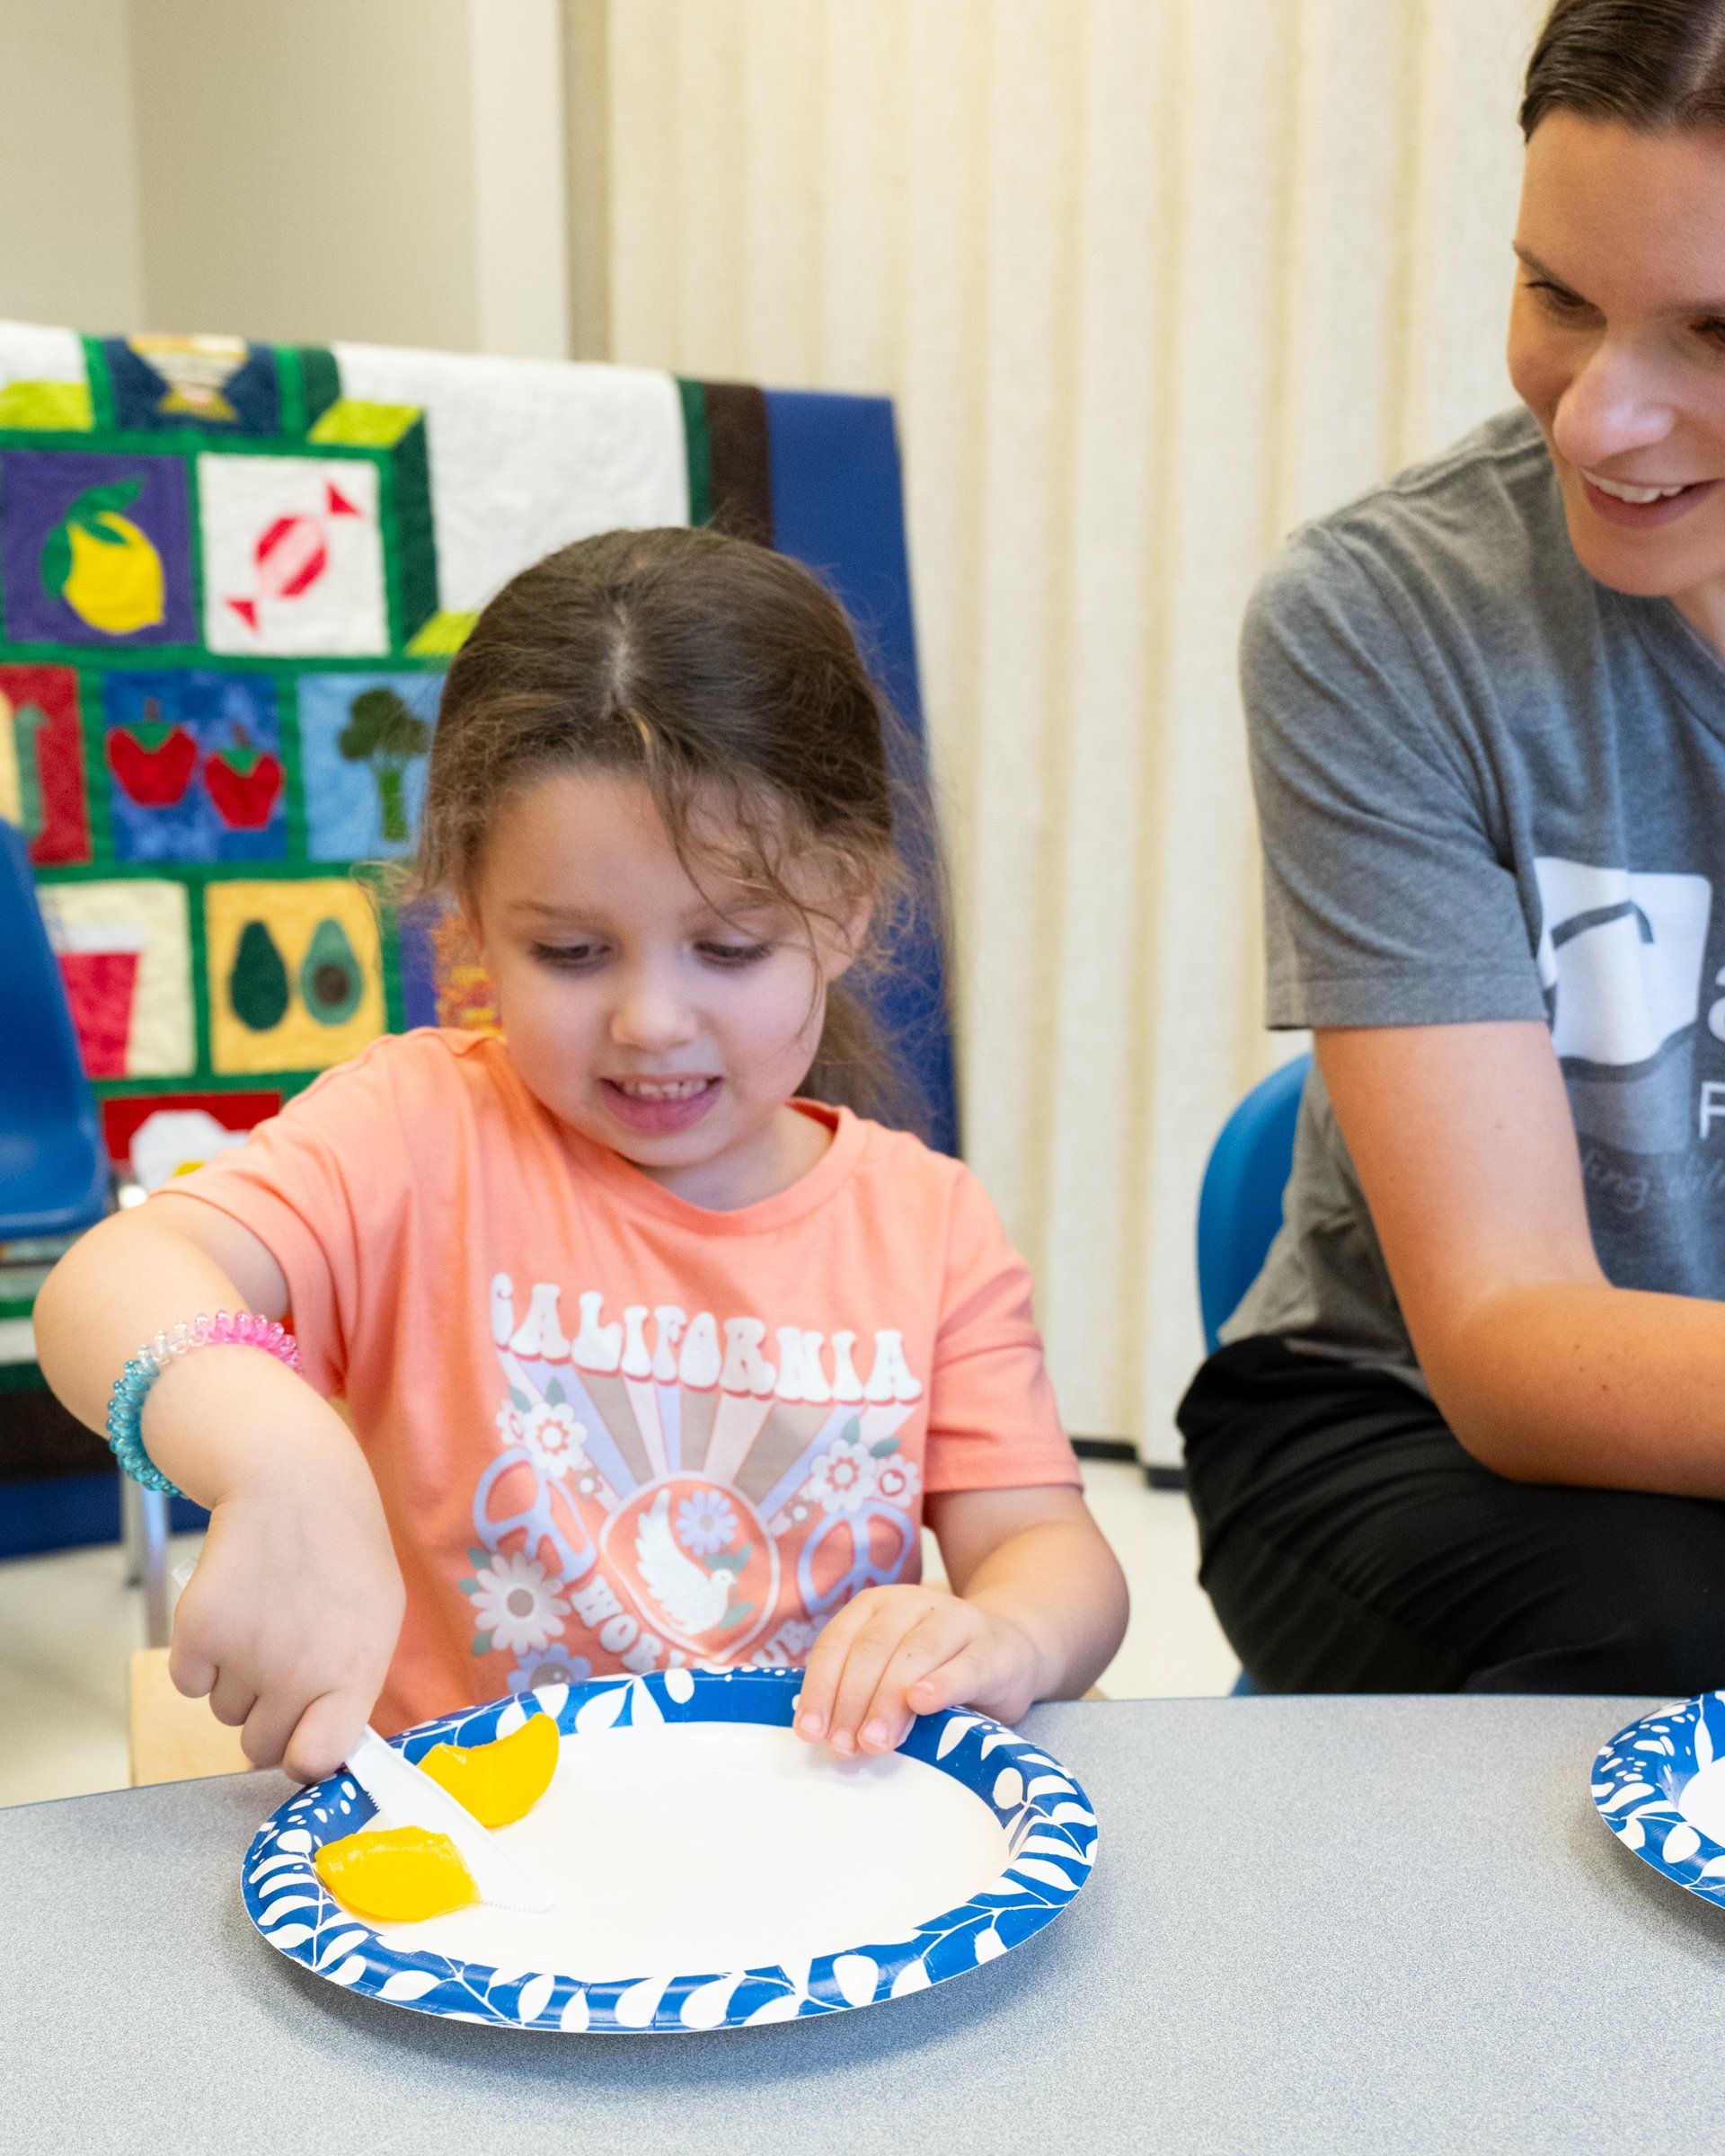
x=614, y=1430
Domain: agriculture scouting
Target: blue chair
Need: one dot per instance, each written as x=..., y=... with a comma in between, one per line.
x=1240, y=1205
x=53, y=1164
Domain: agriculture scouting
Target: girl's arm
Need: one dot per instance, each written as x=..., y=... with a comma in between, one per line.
x=291, y=1617
x=1465, y=1150
x=1037, y=1610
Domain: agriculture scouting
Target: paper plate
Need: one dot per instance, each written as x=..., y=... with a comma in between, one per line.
x=1660, y=1788
x=712, y=1870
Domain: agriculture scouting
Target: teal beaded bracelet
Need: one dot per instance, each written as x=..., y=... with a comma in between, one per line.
x=125, y=1401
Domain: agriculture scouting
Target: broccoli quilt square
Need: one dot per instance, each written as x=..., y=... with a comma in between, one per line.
x=194, y=760
x=363, y=743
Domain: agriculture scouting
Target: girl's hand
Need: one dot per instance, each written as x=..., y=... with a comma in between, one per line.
x=894, y=1653
x=291, y=1617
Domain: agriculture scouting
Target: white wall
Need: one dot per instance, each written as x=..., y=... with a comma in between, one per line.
x=68, y=184
x=389, y=171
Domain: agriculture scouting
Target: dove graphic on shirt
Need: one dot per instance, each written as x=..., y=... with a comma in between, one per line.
x=693, y=1599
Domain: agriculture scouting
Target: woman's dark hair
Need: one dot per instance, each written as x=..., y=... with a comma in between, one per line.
x=725, y=679
x=1652, y=63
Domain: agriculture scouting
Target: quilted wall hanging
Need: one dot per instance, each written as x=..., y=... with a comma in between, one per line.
x=232, y=575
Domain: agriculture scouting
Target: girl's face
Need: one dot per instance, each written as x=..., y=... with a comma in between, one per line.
x=1617, y=346
x=669, y=1022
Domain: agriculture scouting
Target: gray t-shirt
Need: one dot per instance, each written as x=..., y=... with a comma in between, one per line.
x=1490, y=788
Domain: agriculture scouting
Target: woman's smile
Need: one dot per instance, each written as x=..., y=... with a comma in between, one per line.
x=1637, y=508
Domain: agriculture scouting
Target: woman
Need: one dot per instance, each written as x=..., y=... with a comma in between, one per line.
x=1469, y=1432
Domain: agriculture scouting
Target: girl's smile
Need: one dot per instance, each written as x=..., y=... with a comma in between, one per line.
x=657, y=1106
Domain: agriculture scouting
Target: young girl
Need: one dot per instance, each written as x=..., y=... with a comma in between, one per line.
x=644, y=1357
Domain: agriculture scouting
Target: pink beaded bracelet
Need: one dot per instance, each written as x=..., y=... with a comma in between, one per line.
x=125, y=1401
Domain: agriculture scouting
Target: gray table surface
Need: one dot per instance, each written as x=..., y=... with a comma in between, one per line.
x=1324, y=1924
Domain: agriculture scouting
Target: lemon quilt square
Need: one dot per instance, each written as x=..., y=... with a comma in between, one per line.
x=96, y=550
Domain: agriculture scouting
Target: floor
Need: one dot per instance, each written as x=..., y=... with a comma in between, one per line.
x=68, y=1623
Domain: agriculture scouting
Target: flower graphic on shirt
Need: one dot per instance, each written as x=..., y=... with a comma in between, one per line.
x=898, y=1481
x=510, y=1428
x=549, y=1430
x=847, y=1474
x=549, y=1666
x=705, y=1524
x=516, y=1608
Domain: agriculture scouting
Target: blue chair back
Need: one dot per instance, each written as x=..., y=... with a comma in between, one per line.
x=53, y=1164
x=1240, y=1205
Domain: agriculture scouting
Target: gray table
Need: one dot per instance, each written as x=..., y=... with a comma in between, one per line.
x=1325, y=1924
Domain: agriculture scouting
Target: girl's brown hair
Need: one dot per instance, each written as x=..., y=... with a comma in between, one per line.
x=1650, y=64
x=727, y=679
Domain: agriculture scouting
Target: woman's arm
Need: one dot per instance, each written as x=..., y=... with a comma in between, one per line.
x=291, y=1620
x=1038, y=1608
x=1465, y=1147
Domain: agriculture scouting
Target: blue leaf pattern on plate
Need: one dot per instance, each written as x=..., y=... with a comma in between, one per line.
x=1640, y=1781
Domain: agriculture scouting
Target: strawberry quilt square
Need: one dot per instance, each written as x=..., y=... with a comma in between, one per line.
x=194, y=764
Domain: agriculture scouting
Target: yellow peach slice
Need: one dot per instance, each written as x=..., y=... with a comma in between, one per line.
x=503, y=1780
x=396, y=1875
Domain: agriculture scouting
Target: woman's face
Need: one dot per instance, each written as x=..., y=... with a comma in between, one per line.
x=1617, y=346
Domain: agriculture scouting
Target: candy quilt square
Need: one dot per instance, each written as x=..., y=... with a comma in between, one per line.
x=364, y=739
x=41, y=762
x=96, y=550
x=125, y=953
x=294, y=971
x=194, y=761
x=219, y=383
x=292, y=556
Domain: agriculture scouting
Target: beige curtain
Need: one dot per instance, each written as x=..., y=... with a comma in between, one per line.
x=1151, y=280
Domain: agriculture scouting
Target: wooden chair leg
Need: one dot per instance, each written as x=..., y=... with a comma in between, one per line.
x=173, y=1739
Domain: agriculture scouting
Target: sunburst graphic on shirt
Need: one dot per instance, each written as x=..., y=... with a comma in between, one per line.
x=679, y=1491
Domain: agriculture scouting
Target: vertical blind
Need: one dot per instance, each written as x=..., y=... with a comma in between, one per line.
x=1151, y=280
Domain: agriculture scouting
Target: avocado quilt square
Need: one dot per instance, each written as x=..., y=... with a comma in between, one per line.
x=95, y=548
x=41, y=763
x=194, y=764
x=222, y=384
x=364, y=739
x=294, y=974
x=124, y=949
x=292, y=556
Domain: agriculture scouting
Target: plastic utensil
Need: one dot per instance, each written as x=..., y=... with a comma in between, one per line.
x=405, y=1796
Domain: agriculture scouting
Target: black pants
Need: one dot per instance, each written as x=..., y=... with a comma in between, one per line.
x=1350, y=1545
